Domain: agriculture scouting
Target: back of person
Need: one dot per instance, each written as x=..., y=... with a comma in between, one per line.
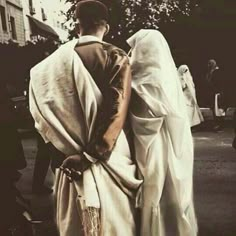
x=101, y=59
x=11, y=148
x=87, y=127
x=94, y=56
x=104, y=62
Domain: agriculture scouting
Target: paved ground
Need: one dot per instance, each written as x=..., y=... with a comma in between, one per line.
x=42, y=206
x=214, y=181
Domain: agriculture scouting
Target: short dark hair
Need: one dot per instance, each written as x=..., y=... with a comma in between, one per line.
x=91, y=14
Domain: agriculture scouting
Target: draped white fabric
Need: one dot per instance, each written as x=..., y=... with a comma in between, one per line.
x=64, y=101
x=163, y=141
x=194, y=113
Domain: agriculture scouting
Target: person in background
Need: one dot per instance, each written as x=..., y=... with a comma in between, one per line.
x=234, y=123
x=215, y=91
x=46, y=154
x=11, y=161
x=188, y=87
x=42, y=162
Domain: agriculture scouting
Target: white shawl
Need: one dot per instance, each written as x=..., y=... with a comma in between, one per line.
x=163, y=141
x=186, y=79
x=64, y=101
x=156, y=81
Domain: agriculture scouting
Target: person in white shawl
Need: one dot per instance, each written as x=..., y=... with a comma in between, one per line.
x=95, y=189
x=188, y=87
x=162, y=136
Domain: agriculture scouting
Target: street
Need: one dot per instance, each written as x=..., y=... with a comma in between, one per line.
x=214, y=185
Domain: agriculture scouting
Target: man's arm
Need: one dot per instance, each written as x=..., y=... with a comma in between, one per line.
x=110, y=119
x=112, y=115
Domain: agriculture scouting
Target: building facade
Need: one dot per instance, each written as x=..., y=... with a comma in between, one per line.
x=12, y=22
x=29, y=20
x=44, y=18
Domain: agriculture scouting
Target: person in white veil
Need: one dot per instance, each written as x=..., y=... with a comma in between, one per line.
x=162, y=138
x=188, y=87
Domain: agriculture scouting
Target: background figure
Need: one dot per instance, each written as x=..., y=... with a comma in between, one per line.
x=194, y=113
x=11, y=160
x=46, y=154
x=42, y=163
x=234, y=123
x=215, y=88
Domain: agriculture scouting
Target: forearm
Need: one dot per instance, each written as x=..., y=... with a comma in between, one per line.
x=113, y=115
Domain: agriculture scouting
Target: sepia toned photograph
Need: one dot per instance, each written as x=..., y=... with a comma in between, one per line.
x=117, y=118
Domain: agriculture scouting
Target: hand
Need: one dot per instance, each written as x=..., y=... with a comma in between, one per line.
x=73, y=166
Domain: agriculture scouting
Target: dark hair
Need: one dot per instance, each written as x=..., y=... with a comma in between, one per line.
x=91, y=14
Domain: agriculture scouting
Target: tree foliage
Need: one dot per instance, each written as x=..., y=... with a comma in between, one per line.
x=149, y=14
x=128, y=16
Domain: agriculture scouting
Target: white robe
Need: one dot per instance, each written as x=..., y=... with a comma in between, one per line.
x=163, y=141
x=64, y=101
x=194, y=113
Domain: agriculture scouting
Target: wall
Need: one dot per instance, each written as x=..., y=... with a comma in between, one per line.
x=13, y=8
x=52, y=9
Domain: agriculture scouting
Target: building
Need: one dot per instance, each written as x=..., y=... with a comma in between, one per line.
x=11, y=22
x=44, y=18
x=30, y=20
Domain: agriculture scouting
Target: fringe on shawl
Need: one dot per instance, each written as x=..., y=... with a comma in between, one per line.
x=90, y=218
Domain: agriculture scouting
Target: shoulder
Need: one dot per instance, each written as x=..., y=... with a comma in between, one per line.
x=114, y=51
x=117, y=59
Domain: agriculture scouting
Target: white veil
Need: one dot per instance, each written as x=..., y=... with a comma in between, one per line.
x=185, y=75
x=156, y=83
x=153, y=64
x=155, y=79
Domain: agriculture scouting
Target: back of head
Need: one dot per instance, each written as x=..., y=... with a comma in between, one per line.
x=212, y=64
x=91, y=14
x=150, y=50
x=153, y=65
x=183, y=69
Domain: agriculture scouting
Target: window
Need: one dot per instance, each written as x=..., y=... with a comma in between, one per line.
x=31, y=7
x=3, y=18
x=13, y=27
x=31, y=3
x=44, y=16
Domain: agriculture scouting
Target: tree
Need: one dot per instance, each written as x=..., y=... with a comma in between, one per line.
x=128, y=16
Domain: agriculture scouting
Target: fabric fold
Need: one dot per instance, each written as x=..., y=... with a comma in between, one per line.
x=162, y=137
x=64, y=101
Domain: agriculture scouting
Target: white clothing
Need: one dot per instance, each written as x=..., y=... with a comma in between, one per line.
x=219, y=112
x=194, y=113
x=64, y=101
x=163, y=141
